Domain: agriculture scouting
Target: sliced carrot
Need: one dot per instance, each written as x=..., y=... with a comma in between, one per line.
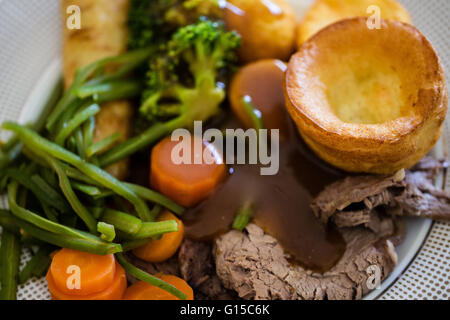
x=96, y=272
x=187, y=184
x=114, y=292
x=164, y=248
x=145, y=291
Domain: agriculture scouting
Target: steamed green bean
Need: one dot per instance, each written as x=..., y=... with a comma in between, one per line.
x=107, y=231
x=71, y=197
x=39, y=144
x=10, y=256
x=39, y=221
x=75, y=122
x=122, y=221
x=102, y=145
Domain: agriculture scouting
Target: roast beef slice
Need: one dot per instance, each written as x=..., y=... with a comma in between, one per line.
x=198, y=269
x=350, y=202
x=255, y=265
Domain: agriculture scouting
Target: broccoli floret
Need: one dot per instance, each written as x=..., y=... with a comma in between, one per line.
x=147, y=24
x=184, y=83
x=152, y=22
x=184, y=80
x=188, y=11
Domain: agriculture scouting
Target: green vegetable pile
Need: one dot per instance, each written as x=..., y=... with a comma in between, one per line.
x=51, y=171
x=185, y=81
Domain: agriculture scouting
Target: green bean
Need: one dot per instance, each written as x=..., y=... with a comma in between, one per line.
x=121, y=89
x=9, y=144
x=156, y=210
x=97, y=211
x=63, y=241
x=39, y=221
x=142, y=192
x=77, y=175
x=49, y=213
x=68, y=114
x=103, y=145
x=42, y=266
x=7, y=223
x=89, y=243
x=56, y=199
x=133, y=244
x=104, y=194
x=88, y=132
x=66, y=188
x=39, y=144
x=253, y=113
x=49, y=177
x=10, y=256
x=75, y=122
x=157, y=198
x=22, y=198
x=148, y=137
x=40, y=189
x=130, y=60
x=3, y=182
x=79, y=141
x=34, y=158
x=122, y=221
x=151, y=229
x=40, y=261
x=243, y=216
x=144, y=276
x=108, y=233
x=10, y=155
x=87, y=189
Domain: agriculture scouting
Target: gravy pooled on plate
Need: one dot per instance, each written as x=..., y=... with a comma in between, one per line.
x=281, y=201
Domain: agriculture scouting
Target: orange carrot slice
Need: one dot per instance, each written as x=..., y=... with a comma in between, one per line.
x=96, y=272
x=145, y=291
x=114, y=292
x=187, y=184
x=164, y=248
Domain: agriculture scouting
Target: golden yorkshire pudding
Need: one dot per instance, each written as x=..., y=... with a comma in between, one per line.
x=326, y=12
x=367, y=100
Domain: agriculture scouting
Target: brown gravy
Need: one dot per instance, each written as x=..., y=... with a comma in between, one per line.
x=281, y=201
x=281, y=206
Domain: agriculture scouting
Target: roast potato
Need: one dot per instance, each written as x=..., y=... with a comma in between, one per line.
x=103, y=33
x=267, y=28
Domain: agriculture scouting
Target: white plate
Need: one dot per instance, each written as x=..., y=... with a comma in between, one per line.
x=29, y=56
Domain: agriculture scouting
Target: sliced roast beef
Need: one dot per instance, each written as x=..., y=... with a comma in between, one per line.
x=255, y=265
x=350, y=202
x=198, y=269
x=421, y=198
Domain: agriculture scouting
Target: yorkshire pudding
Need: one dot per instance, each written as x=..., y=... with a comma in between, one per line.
x=367, y=100
x=326, y=12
